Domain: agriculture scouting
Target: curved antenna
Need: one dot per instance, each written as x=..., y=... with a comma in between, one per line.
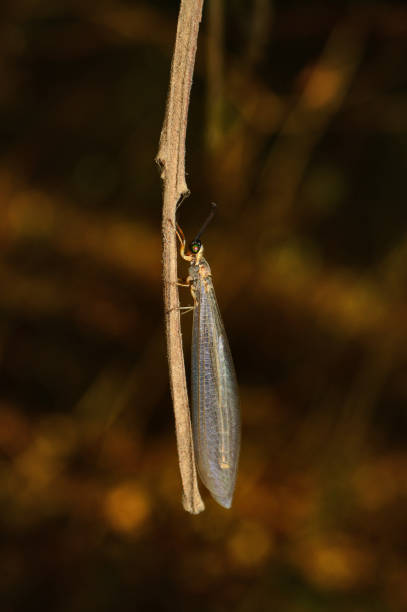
x=206, y=223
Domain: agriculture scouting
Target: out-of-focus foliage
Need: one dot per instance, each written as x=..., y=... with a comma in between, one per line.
x=298, y=129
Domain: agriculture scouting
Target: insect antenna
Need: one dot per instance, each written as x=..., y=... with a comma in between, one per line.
x=206, y=223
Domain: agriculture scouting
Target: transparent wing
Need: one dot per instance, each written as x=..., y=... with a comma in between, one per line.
x=215, y=402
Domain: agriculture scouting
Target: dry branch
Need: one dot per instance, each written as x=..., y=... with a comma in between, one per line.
x=171, y=160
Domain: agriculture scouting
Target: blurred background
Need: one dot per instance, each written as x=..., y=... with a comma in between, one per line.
x=298, y=130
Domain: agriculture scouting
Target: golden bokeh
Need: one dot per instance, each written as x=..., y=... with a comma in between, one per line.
x=126, y=507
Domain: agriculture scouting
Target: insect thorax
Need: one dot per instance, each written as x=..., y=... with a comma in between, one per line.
x=200, y=270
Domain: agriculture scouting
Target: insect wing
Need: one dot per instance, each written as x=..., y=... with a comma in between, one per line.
x=215, y=403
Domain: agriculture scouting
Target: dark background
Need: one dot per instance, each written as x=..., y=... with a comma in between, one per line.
x=298, y=130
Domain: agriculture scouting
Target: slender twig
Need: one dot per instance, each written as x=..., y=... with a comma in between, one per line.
x=214, y=72
x=259, y=32
x=171, y=160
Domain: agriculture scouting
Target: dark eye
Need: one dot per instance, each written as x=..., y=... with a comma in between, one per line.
x=195, y=246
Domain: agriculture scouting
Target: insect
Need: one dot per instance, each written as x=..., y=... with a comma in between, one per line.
x=215, y=401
